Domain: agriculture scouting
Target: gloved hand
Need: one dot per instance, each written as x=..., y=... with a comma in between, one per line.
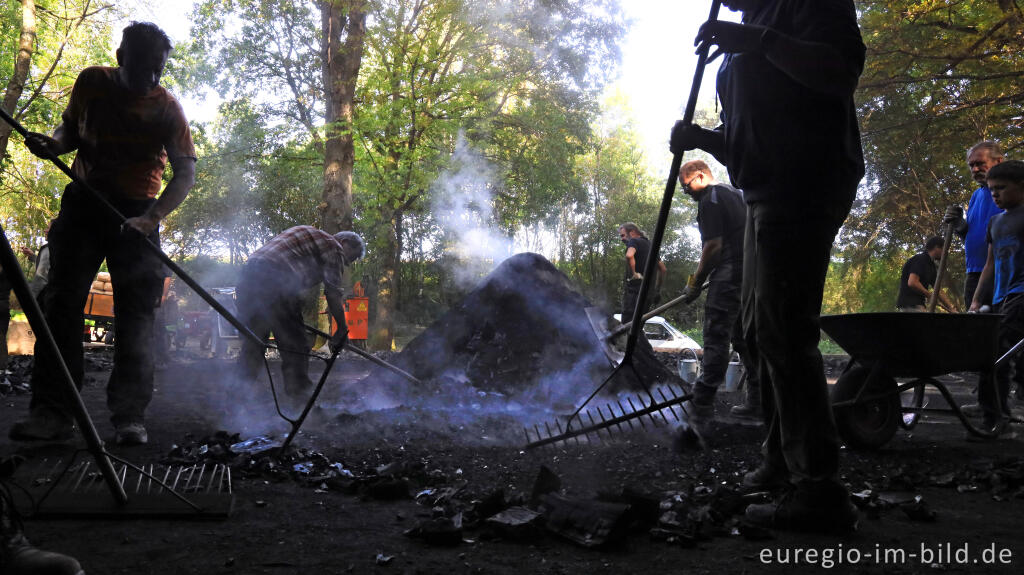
x=684, y=137
x=41, y=145
x=692, y=290
x=338, y=340
x=954, y=214
x=637, y=276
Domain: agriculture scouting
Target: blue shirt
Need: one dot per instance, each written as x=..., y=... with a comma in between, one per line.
x=1006, y=234
x=980, y=210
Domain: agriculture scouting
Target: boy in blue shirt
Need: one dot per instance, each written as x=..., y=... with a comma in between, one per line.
x=1004, y=272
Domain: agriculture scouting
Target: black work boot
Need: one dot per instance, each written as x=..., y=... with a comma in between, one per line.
x=18, y=556
x=811, y=506
x=751, y=406
x=43, y=424
x=766, y=477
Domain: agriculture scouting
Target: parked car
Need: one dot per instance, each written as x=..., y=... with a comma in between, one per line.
x=665, y=338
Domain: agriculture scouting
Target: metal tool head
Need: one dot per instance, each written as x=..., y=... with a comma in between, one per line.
x=598, y=322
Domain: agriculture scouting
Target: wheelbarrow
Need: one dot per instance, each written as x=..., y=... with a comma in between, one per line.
x=914, y=348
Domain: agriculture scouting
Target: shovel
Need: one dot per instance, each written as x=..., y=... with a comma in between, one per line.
x=597, y=320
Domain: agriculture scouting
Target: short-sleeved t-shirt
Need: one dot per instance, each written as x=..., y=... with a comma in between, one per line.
x=643, y=247
x=980, y=210
x=721, y=213
x=124, y=140
x=1006, y=235
x=923, y=265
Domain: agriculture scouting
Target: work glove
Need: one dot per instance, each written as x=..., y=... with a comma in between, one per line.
x=692, y=290
x=684, y=138
x=955, y=215
x=637, y=276
x=338, y=340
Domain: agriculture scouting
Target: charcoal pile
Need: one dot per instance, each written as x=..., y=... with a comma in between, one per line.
x=524, y=327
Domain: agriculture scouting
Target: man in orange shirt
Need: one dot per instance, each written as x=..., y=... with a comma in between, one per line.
x=126, y=128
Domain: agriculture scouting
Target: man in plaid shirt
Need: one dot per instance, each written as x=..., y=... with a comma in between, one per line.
x=270, y=294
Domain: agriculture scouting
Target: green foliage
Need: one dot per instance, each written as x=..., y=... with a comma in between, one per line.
x=70, y=35
x=940, y=76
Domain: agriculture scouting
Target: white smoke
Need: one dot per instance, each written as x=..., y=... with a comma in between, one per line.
x=462, y=203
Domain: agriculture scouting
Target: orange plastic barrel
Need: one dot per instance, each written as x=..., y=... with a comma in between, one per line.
x=357, y=316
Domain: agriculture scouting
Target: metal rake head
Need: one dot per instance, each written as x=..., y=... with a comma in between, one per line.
x=55, y=488
x=645, y=411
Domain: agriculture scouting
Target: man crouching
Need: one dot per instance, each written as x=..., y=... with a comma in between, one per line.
x=270, y=295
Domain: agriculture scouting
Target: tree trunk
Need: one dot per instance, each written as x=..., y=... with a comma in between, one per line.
x=382, y=336
x=341, y=61
x=22, y=63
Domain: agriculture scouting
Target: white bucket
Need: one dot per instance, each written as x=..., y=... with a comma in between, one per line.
x=733, y=376
x=688, y=369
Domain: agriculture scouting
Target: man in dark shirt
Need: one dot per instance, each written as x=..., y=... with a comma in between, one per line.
x=790, y=139
x=721, y=216
x=126, y=128
x=918, y=277
x=637, y=248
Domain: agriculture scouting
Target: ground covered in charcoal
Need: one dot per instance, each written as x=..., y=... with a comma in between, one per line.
x=440, y=482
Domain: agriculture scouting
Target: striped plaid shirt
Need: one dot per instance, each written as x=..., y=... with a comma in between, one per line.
x=312, y=254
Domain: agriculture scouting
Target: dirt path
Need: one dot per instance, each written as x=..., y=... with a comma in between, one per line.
x=283, y=526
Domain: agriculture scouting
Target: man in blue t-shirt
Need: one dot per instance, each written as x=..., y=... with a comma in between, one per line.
x=1003, y=274
x=980, y=209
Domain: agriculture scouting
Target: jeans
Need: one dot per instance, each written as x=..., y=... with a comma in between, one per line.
x=83, y=235
x=269, y=300
x=722, y=326
x=786, y=257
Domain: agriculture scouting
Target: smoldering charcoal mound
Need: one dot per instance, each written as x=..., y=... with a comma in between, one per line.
x=523, y=328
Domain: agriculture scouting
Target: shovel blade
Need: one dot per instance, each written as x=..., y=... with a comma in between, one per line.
x=598, y=320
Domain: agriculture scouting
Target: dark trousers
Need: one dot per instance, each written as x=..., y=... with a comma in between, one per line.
x=82, y=236
x=722, y=325
x=630, y=295
x=269, y=300
x=993, y=400
x=786, y=257
x=971, y=286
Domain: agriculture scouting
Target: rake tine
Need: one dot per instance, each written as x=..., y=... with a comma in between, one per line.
x=163, y=482
x=537, y=429
x=629, y=400
x=611, y=415
x=527, y=433
x=661, y=411
x=607, y=428
x=138, y=484
x=670, y=408
x=81, y=475
x=199, y=480
x=177, y=476
x=593, y=424
x=623, y=410
x=548, y=429
x=228, y=469
x=213, y=475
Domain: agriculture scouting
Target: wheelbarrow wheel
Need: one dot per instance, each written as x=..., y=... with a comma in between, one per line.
x=866, y=424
